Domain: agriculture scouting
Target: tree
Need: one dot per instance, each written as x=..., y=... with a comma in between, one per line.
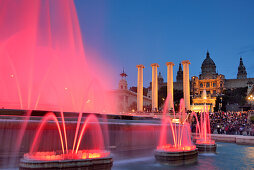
x=231, y=96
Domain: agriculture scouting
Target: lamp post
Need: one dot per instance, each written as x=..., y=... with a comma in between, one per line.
x=251, y=99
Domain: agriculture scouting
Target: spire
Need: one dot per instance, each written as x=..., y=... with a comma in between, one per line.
x=207, y=54
x=123, y=82
x=180, y=67
x=242, y=74
x=241, y=61
x=179, y=76
x=123, y=74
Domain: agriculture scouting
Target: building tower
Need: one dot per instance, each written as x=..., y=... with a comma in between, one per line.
x=160, y=80
x=122, y=85
x=242, y=74
x=179, y=76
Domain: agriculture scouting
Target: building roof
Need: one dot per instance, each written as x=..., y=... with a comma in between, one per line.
x=208, y=68
x=208, y=64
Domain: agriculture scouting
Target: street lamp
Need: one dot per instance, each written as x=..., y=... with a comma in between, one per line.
x=251, y=99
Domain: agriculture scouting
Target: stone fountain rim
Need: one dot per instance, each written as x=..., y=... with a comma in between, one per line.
x=24, y=160
x=163, y=151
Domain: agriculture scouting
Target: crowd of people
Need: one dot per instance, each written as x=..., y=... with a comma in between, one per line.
x=234, y=123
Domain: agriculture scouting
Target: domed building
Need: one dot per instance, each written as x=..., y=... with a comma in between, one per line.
x=214, y=84
x=208, y=80
x=208, y=68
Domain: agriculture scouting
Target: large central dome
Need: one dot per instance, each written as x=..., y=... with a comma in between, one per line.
x=208, y=68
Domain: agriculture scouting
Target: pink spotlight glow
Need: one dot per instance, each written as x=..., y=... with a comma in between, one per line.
x=44, y=67
x=43, y=62
x=47, y=117
x=203, y=130
x=53, y=156
x=175, y=137
x=98, y=150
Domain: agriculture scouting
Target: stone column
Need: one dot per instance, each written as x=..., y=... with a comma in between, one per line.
x=140, y=88
x=170, y=91
x=154, y=87
x=186, y=83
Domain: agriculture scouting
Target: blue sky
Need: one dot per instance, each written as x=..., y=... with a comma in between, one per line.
x=125, y=33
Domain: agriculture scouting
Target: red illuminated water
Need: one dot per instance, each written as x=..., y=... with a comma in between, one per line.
x=203, y=130
x=42, y=59
x=82, y=154
x=175, y=132
x=95, y=151
x=44, y=67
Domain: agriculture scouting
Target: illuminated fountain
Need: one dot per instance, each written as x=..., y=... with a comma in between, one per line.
x=203, y=139
x=175, y=145
x=96, y=157
x=44, y=67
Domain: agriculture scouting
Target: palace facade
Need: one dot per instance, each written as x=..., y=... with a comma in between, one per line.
x=211, y=82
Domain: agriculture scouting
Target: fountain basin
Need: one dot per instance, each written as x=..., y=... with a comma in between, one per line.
x=176, y=157
x=206, y=146
x=81, y=160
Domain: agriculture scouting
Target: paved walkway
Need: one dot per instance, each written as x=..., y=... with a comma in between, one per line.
x=238, y=139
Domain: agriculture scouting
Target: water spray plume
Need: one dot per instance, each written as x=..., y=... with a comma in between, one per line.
x=175, y=136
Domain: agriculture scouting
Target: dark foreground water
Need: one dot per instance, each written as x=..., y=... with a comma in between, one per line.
x=228, y=156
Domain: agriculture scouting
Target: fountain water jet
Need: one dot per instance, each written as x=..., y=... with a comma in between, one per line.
x=44, y=67
x=175, y=145
x=203, y=139
x=96, y=157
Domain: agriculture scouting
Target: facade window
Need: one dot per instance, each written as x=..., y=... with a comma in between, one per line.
x=201, y=84
x=201, y=92
x=208, y=92
x=121, y=86
x=214, y=84
x=214, y=92
x=207, y=84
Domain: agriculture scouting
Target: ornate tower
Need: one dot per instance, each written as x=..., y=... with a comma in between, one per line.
x=123, y=83
x=242, y=74
x=160, y=80
x=179, y=76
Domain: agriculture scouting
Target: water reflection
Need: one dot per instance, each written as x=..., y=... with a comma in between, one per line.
x=249, y=156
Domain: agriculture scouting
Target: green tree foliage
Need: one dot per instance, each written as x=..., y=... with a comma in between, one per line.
x=162, y=95
x=234, y=96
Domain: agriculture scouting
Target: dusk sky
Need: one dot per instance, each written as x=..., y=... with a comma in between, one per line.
x=125, y=33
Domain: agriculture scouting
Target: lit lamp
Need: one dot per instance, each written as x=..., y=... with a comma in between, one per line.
x=251, y=99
